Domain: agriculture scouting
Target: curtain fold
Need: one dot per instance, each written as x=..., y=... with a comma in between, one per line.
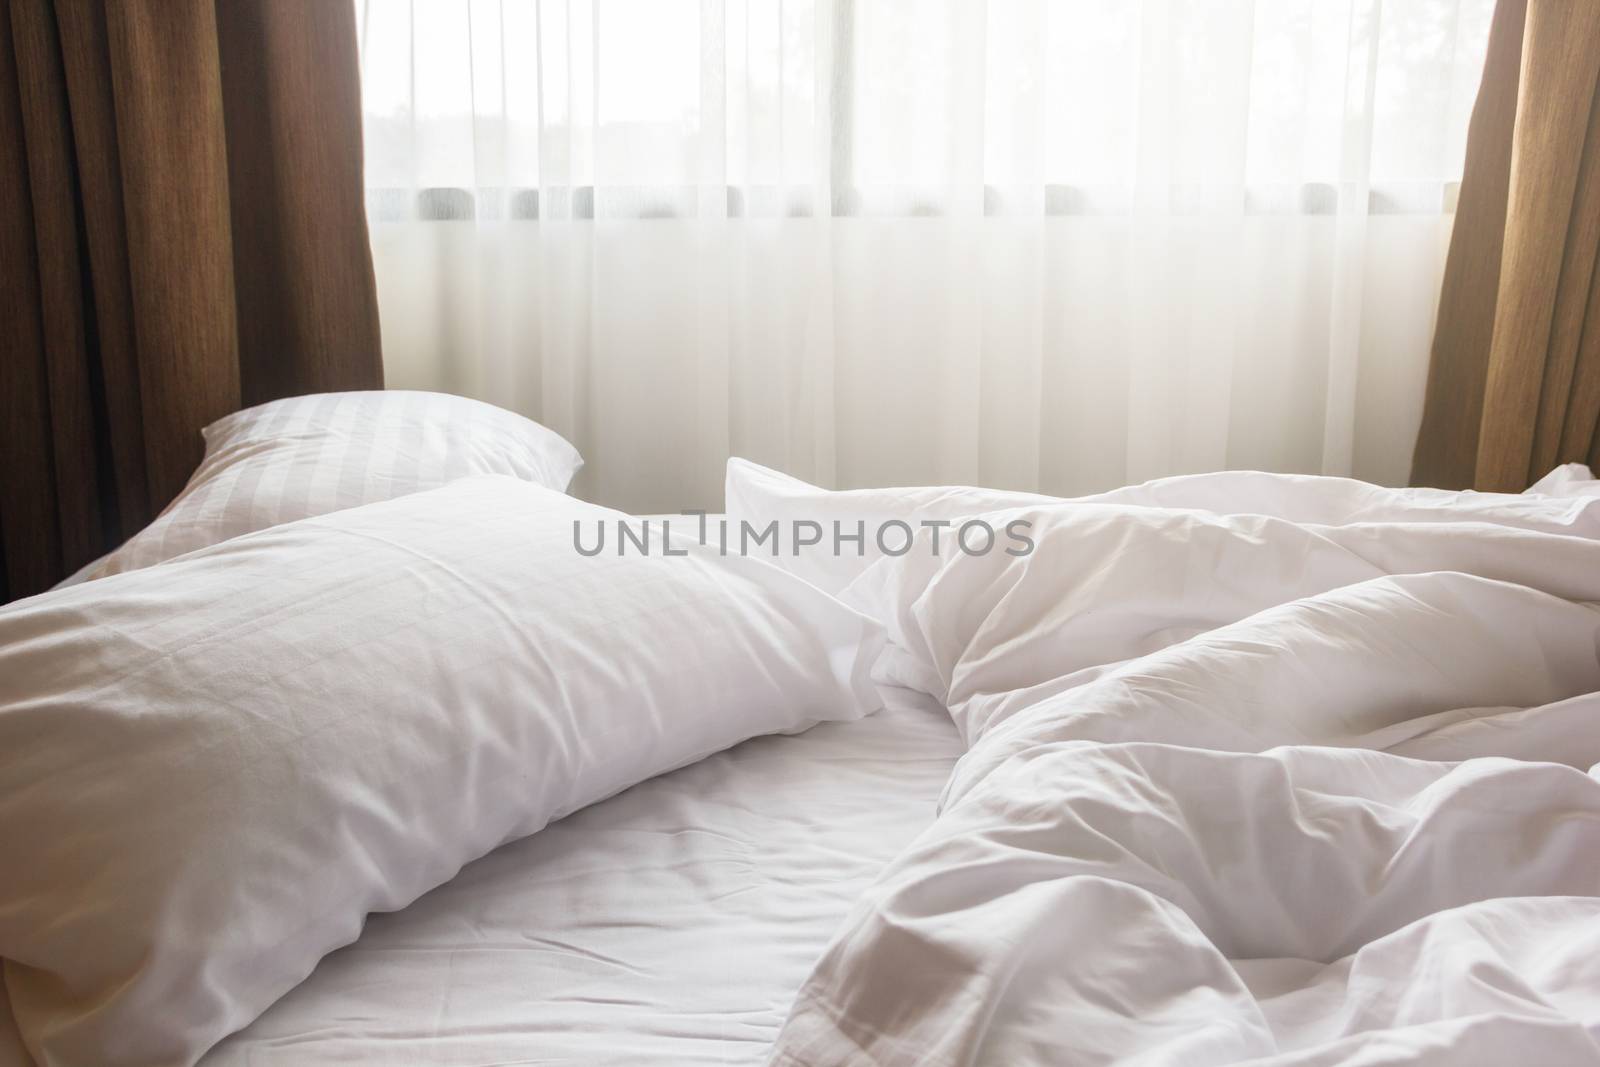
x=183, y=234
x=1514, y=384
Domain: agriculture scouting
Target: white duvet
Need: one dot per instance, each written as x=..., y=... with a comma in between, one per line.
x=1314, y=785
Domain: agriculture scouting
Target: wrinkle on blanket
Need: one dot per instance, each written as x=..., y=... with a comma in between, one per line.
x=1312, y=785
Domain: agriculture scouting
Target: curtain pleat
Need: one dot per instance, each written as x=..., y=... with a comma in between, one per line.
x=1563, y=428
x=183, y=234
x=1583, y=406
x=60, y=272
x=165, y=79
x=32, y=543
x=1514, y=387
x=291, y=93
x=88, y=68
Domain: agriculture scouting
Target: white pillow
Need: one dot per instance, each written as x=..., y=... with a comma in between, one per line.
x=214, y=769
x=311, y=455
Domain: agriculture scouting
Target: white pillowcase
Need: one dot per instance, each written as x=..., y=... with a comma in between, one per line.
x=311, y=455
x=214, y=769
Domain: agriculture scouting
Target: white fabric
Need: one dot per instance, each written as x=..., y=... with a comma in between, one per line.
x=217, y=767
x=84, y=573
x=759, y=497
x=1569, y=479
x=1303, y=787
x=310, y=455
x=1048, y=246
x=668, y=926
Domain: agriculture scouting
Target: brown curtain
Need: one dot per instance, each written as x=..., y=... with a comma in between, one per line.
x=1514, y=386
x=181, y=235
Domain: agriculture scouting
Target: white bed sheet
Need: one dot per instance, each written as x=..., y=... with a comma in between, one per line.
x=671, y=924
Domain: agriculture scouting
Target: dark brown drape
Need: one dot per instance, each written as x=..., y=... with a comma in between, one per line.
x=1514, y=386
x=181, y=234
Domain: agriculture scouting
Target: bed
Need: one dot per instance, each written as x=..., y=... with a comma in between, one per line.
x=1223, y=769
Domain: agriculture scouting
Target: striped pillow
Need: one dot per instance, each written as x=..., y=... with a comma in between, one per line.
x=310, y=455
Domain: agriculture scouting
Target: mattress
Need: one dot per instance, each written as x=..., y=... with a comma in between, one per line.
x=670, y=924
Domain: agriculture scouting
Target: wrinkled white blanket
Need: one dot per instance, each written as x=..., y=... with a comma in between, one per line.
x=1313, y=785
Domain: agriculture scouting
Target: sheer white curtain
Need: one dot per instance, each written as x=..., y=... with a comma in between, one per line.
x=1041, y=244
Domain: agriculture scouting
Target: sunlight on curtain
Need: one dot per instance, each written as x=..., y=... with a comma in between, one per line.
x=1037, y=244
